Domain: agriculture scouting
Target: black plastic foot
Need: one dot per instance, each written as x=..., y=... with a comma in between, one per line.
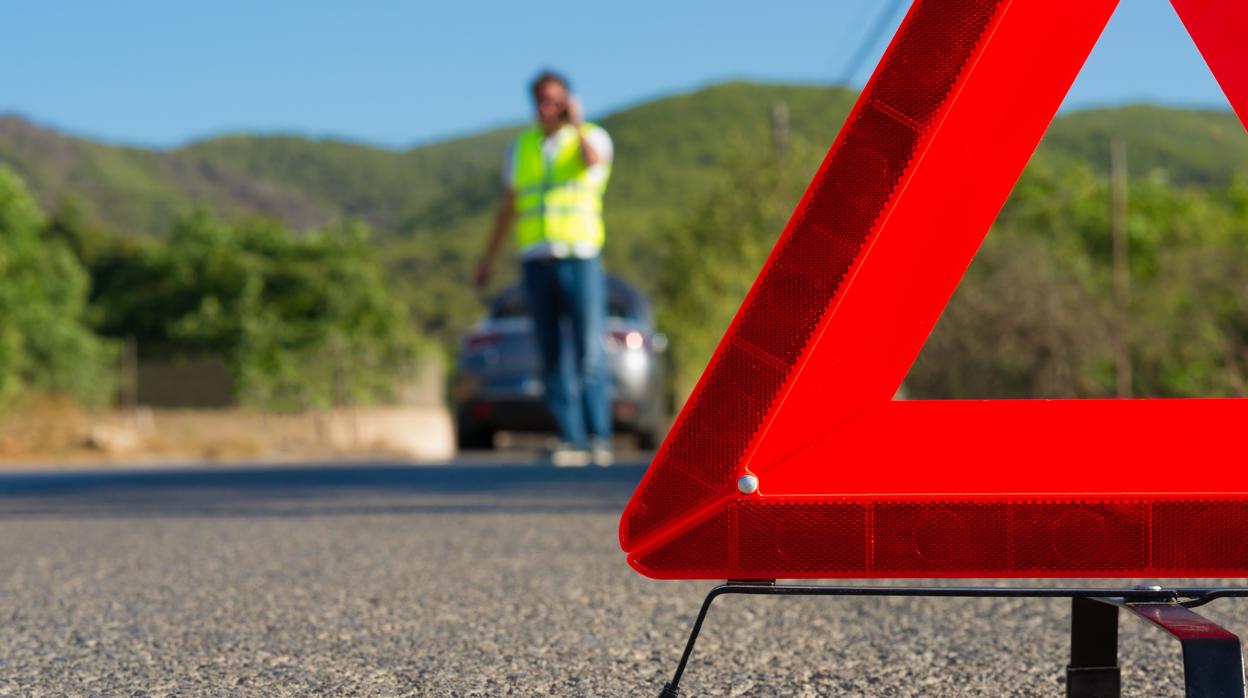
x=1093, y=682
x=670, y=691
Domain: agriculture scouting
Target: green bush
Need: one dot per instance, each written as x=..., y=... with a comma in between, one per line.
x=45, y=342
x=301, y=321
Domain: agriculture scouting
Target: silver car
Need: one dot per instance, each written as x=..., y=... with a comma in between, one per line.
x=498, y=384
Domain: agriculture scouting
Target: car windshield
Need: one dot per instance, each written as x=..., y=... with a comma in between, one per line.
x=623, y=302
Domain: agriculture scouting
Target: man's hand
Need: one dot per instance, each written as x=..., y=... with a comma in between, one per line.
x=576, y=112
x=502, y=221
x=576, y=116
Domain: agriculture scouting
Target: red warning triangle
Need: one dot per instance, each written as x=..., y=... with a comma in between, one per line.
x=798, y=393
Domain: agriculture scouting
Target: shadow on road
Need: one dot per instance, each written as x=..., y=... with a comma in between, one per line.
x=332, y=489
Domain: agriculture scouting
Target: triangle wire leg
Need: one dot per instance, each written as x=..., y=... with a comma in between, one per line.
x=672, y=688
x=1213, y=664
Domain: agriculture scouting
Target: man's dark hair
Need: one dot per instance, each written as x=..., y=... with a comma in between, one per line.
x=547, y=76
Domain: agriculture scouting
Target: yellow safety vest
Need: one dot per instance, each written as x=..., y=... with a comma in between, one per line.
x=556, y=202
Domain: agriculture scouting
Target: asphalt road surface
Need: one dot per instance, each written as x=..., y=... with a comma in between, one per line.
x=472, y=579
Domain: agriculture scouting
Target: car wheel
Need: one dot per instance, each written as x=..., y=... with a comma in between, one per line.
x=647, y=438
x=471, y=436
x=652, y=426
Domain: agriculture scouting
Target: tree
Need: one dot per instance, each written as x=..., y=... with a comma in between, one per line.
x=45, y=342
x=711, y=255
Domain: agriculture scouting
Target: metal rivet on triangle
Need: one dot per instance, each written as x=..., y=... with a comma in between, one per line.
x=747, y=484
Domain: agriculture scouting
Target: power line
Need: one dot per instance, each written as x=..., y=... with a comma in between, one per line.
x=882, y=23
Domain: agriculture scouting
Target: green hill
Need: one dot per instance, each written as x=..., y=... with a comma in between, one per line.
x=667, y=150
x=430, y=206
x=1189, y=146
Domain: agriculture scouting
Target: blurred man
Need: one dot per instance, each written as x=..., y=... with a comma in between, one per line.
x=554, y=174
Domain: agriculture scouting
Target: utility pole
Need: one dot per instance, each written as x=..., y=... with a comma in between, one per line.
x=1122, y=265
x=130, y=373
x=780, y=129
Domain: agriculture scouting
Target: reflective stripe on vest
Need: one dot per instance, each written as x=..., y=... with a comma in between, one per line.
x=556, y=201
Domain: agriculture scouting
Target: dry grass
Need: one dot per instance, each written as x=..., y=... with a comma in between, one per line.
x=44, y=427
x=56, y=432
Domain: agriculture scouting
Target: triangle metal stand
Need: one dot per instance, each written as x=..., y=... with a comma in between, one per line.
x=1213, y=665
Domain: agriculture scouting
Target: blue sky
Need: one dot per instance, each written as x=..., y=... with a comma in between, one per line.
x=401, y=73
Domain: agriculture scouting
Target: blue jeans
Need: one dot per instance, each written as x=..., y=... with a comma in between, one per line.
x=574, y=367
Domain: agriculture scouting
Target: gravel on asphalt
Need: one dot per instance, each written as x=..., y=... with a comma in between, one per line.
x=519, y=591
